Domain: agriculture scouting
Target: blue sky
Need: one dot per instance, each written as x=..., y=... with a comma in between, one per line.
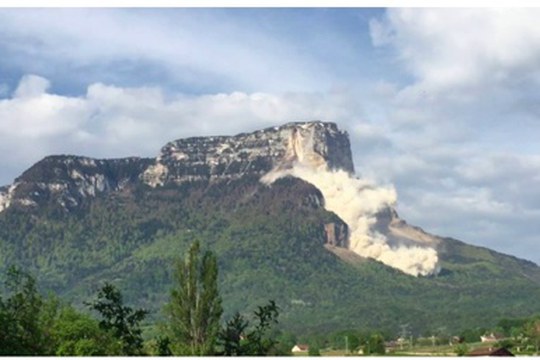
x=441, y=103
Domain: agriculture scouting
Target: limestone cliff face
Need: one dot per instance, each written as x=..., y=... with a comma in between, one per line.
x=70, y=180
x=337, y=234
x=229, y=157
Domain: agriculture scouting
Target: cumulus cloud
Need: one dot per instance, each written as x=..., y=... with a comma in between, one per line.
x=112, y=121
x=463, y=127
x=444, y=48
x=31, y=86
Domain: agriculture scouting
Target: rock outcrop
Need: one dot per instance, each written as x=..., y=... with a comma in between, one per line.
x=69, y=180
x=230, y=157
x=337, y=234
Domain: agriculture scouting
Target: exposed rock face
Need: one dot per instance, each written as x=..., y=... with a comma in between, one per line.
x=68, y=180
x=398, y=232
x=337, y=234
x=5, y=197
x=309, y=151
x=226, y=157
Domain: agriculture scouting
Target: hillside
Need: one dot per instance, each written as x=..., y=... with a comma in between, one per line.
x=76, y=222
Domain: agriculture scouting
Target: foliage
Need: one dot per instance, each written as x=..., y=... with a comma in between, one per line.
x=374, y=345
x=285, y=341
x=236, y=341
x=121, y=321
x=79, y=334
x=163, y=346
x=507, y=325
x=231, y=335
x=20, y=328
x=195, y=307
x=314, y=349
x=269, y=242
x=257, y=341
x=472, y=335
x=461, y=349
x=532, y=330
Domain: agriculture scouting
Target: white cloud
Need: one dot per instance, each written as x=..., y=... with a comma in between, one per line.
x=193, y=47
x=31, y=86
x=445, y=48
x=111, y=121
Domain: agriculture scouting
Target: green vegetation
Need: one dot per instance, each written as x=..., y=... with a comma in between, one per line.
x=31, y=326
x=236, y=340
x=122, y=322
x=195, y=308
x=375, y=345
x=268, y=242
x=21, y=316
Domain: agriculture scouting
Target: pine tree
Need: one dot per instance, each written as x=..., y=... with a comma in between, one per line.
x=195, y=307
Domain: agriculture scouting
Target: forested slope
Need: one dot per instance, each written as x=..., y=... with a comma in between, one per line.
x=270, y=245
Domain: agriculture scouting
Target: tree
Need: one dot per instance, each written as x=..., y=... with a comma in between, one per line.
x=194, y=310
x=236, y=341
x=314, y=349
x=258, y=343
x=79, y=334
x=20, y=328
x=122, y=321
x=375, y=345
x=285, y=342
x=231, y=335
x=532, y=330
x=163, y=346
x=461, y=349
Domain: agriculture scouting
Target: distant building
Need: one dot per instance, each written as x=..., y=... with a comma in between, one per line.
x=490, y=351
x=300, y=348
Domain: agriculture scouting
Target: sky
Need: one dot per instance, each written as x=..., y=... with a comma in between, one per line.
x=442, y=103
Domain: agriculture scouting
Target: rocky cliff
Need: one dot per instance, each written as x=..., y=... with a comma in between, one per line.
x=316, y=152
x=257, y=153
x=316, y=240
x=69, y=180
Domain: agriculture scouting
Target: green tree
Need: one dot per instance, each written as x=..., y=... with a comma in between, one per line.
x=314, y=349
x=258, y=343
x=375, y=345
x=121, y=321
x=194, y=310
x=472, y=335
x=461, y=349
x=163, y=346
x=78, y=334
x=20, y=327
x=532, y=330
x=231, y=335
x=236, y=340
x=285, y=342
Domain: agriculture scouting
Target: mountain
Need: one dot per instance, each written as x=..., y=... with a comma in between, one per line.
x=287, y=218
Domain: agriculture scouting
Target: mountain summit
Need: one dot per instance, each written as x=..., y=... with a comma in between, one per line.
x=316, y=152
x=287, y=218
x=68, y=180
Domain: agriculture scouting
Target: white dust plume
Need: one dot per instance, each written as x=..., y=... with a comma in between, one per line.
x=357, y=201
